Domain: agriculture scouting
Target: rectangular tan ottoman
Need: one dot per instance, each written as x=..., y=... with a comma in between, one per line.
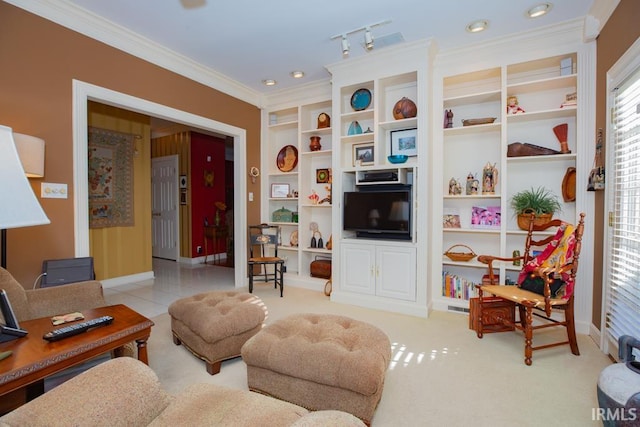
x=320, y=361
x=215, y=325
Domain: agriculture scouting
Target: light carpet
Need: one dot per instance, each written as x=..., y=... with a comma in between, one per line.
x=441, y=374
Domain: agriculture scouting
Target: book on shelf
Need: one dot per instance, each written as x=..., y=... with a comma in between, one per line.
x=454, y=286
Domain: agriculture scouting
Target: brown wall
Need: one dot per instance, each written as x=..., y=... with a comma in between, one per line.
x=619, y=33
x=39, y=61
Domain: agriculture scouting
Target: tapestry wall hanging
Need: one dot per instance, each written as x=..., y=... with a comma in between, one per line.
x=110, y=178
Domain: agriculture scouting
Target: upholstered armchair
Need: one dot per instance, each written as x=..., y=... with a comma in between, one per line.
x=43, y=302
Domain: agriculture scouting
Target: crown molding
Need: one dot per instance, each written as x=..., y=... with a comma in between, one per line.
x=551, y=40
x=599, y=14
x=68, y=15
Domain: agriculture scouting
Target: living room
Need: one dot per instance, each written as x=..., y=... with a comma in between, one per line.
x=72, y=56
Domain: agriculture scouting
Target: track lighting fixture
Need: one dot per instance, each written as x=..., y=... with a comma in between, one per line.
x=368, y=36
x=368, y=39
x=345, y=46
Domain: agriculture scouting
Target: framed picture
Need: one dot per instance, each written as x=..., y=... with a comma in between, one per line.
x=279, y=191
x=183, y=196
x=322, y=176
x=404, y=142
x=363, y=154
x=183, y=181
x=485, y=217
x=451, y=218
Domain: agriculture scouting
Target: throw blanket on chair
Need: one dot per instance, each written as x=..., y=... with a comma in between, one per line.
x=557, y=254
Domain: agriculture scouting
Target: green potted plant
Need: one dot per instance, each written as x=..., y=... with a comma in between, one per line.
x=540, y=201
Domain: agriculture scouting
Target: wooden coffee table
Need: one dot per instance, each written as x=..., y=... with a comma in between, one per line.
x=34, y=358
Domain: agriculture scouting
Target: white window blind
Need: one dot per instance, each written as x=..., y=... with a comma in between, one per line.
x=623, y=282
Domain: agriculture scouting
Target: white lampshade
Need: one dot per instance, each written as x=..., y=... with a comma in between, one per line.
x=20, y=207
x=31, y=153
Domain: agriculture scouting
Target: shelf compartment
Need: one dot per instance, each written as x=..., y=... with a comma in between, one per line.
x=543, y=115
x=542, y=85
x=399, y=124
x=474, y=98
x=469, y=130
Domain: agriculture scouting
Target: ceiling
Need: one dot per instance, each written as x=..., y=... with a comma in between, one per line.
x=250, y=40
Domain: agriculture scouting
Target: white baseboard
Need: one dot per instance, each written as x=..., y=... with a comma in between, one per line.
x=124, y=280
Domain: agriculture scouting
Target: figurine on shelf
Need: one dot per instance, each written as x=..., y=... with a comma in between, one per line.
x=313, y=227
x=455, y=188
x=472, y=184
x=489, y=178
x=314, y=197
x=448, y=119
x=512, y=106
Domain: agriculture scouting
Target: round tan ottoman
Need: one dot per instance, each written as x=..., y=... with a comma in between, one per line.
x=320, y=361
x=215, y=325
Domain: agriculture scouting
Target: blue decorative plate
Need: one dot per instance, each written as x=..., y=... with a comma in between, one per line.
x=361, y=99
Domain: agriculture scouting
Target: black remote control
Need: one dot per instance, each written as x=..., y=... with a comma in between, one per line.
x=76, y=328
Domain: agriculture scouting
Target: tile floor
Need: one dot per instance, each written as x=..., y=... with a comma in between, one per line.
x=172, y=281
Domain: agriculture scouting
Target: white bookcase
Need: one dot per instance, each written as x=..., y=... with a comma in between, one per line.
x=541, y=88
x=295, y=125
x=382, y=273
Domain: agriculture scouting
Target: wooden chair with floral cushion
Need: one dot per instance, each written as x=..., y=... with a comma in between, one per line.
x=545, y=284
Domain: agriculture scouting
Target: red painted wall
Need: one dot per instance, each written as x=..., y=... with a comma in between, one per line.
x=207, y=154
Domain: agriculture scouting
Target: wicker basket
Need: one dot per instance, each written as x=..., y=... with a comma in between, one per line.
x=525, y=218
x=460, y=256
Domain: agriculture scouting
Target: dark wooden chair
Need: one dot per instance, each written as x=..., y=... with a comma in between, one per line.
x=263, y=253
x=530, y=303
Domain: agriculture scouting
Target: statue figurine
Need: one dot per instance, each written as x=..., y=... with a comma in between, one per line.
x=489, y=179
x=454, y=187
x=472, y=184
x=448, y=119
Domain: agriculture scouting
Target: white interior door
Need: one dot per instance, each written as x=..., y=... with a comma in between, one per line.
x=164, y=214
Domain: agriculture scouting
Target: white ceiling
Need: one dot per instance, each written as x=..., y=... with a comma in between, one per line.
x=252, y=40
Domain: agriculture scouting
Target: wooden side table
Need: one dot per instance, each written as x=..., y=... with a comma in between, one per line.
x=216, y=234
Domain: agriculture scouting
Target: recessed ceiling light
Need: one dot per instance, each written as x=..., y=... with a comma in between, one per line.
x=269, y=82
x=477, y=26
x=539, y=10
x=297, y=74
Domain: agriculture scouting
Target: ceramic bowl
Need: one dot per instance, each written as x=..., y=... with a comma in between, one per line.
x=398, y=158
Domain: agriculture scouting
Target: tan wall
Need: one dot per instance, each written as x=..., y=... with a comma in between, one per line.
x=39, y=61
x=122, y=251
x=619, y=33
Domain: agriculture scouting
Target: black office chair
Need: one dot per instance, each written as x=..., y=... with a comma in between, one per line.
x=263, y=252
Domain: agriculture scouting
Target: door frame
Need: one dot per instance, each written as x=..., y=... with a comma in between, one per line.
x=83, y=93
x=623, y=68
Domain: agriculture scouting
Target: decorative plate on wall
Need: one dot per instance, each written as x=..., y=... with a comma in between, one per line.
x=287, y=158
x=361, y=99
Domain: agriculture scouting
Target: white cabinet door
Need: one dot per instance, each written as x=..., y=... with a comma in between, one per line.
x=396, y=272
x=385, y=271
x=357, y=271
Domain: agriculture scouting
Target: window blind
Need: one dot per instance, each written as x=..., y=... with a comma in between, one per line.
x=623, y=282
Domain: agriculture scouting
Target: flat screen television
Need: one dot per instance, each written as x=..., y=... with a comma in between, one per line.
x=379, y=212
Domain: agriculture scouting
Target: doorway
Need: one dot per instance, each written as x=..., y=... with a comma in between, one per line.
x=84, y=92
x=164, y=211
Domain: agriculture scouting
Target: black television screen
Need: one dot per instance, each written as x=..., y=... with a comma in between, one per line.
x=379, y=212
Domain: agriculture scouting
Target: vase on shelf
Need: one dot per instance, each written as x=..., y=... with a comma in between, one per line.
x=314, y=145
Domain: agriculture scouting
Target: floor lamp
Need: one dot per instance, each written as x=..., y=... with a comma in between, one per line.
x=19, y=206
